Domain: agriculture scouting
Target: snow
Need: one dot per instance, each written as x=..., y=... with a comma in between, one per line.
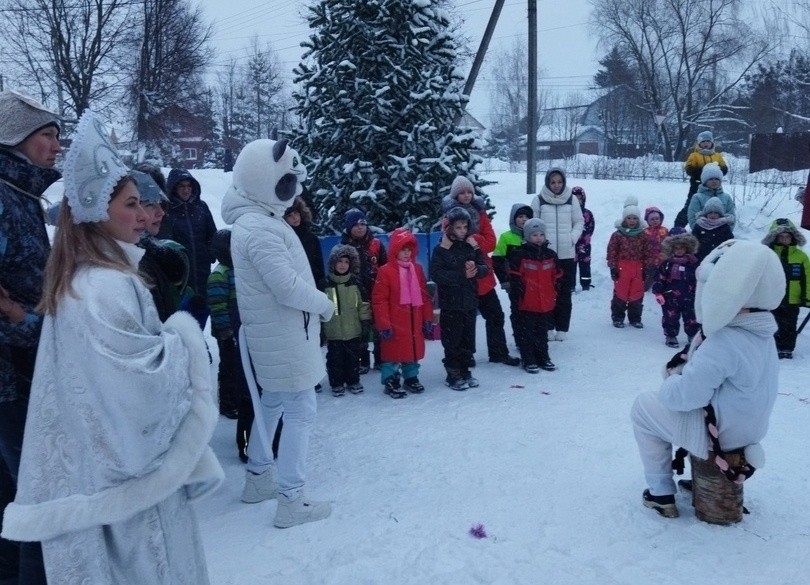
x=545, y=463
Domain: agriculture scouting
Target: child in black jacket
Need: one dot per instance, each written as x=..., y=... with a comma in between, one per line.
x=455, y=265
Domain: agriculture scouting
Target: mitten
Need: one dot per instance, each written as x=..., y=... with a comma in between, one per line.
x=427, y=328
x=660, y=299
x=386, y=334
x=517, y=289
x=614, y=274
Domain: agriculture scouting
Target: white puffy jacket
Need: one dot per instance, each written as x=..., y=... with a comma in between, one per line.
x=279, y=305
x=562, y=215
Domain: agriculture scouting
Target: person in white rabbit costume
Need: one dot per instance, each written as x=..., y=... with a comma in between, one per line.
x=122, y=406
x=281, y=311
x=735, y=369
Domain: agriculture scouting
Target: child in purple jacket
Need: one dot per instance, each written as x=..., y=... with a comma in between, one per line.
x=675, y=283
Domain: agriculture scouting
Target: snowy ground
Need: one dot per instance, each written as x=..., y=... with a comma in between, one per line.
x=546, y=463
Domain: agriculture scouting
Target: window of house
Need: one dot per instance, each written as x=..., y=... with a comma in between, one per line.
x=190, y=153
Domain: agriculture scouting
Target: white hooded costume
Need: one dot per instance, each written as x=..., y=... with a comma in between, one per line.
x=735, y=368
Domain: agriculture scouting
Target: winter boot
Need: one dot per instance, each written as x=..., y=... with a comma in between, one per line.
x=259, y=487
x=664, y=505
x=547, y=365
x=338, y=390
x=532, y=368
x=413, y=385
x=506, y=359
x=392, y=387
x=637, y=324
x=618, y=324
x=299, y=511
x=468, y=378
x=454, y=380
x=671, y=341
x=356, y=388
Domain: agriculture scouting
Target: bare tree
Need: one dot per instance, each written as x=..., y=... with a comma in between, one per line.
x=690, y=55
x=173, y=55
x=509, y=106
x=73, y=49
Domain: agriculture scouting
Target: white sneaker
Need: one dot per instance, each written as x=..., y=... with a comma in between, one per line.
x=551, y=335
x=259, y=488
x=299, y=511
x=560, y=336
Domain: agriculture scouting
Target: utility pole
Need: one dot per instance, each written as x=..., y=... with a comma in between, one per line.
x=531, y=133
x=482, y=48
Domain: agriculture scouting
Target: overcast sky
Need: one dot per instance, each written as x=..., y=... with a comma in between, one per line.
x=567, y=54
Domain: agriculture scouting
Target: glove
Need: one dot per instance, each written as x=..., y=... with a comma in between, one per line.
x=386, y=334
x=506, y=286
x=614, y=274
x=660, y=299
x=427, y=328
x=517, y=290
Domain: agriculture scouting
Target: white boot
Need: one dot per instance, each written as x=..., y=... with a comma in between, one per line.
x=299, y=511
x=259, y=488
x=560, y=336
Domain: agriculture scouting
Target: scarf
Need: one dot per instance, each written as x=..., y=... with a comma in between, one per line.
x=410, y=293
x=630, y=232
x=712, y=224
x=674, y=271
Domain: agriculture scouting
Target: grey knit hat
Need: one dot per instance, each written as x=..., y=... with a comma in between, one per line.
x=705, y=136
x=711, y=171
x=533, y=226
x=21, y=116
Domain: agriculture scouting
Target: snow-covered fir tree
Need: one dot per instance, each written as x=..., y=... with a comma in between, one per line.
x=379, y=109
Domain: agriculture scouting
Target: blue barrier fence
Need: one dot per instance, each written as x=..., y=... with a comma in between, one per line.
x=426, y=244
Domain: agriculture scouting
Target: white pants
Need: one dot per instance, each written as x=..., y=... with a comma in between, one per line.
x=299, y=409
x=657, y=429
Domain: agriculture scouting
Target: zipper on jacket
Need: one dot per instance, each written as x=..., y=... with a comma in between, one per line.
x=306, y=323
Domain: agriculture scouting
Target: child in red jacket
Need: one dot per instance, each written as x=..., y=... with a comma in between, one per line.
x=629, y=253
x=533, y=274
x=403, y=314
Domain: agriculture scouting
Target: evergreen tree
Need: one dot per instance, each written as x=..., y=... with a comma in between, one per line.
x=379, y=106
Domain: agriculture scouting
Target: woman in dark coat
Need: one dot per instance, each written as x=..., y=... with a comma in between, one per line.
x=299, y=216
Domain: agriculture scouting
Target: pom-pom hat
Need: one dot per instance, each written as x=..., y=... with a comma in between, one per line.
x=711, y=171
x=461, y=184
x=705, y=136
x=93, y=168
x=21, y=116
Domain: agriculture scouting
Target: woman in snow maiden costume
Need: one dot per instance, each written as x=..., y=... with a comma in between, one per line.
x=562, y=214
x=735, y=369
x=785, y=239
x=281, y=311
x=121, y=407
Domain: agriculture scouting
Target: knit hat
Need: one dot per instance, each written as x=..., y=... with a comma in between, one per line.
x=705, y=136
x=148, y=189
x=736, y=275
x=630, y=208
x=92, y=170
x=352, y=218
x=650, y=210
x=678, y=236
x=460, y=185
x=784, y=226
x=533, y=226
x=713, y=205
x=21, y=116
x=711, y=171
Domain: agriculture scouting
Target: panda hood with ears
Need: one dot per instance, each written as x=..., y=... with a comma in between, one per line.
x=268, y=174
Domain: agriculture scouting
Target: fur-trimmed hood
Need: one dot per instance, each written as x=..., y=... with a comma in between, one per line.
x=344, y=251
x=302, y=208
x=680, y=237
x=783, y=226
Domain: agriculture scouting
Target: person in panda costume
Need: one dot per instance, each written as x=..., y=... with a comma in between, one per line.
x=281, y=311
x=731, y=364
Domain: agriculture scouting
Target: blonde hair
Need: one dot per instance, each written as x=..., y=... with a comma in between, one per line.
x=75, y=245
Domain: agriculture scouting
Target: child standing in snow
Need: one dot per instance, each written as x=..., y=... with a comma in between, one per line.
x=675, y=283
x=372, y=255
x=656, y=232
x=711, y=186
x=508, y=241
x=533, y=275
x=344, y=331
x=403, y=315
x=784, y=239
x=583, y=246
x=712, y=227
x=462, y=194
x=628, y=254
x=456, y=264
